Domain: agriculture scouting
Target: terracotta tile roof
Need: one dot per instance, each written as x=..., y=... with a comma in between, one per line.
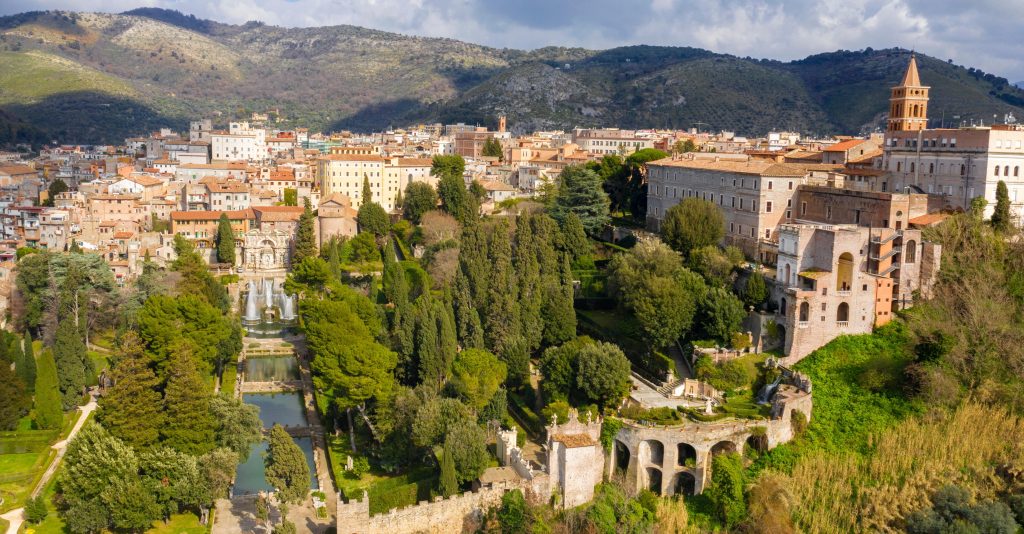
x=928, y=219
x=415, y=162
x=867, y=156
x=123, y=235
x=211, y=215
x=215, y=166
x=145, y=181
x=278, y=213
x=16, y=169
x=843, y=146
x=756, y=167
x=491, y=185
x=353, y=157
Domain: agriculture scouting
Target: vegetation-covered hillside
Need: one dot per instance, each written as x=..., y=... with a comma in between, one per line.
x=169, y=67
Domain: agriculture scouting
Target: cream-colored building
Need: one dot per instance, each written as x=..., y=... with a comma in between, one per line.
x=240, y=143
x=344, y=174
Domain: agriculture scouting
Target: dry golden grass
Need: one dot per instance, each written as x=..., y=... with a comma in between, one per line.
x=835, y=492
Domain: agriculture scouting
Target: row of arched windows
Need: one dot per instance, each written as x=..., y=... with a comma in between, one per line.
x=1006, y=170
x=842, y=312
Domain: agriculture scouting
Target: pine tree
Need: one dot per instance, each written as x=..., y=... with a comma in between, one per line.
x=132, y=409
x=286, y=467
x=305, y=236
x=1001, y=216
x=49, y=413
x=449, y=484
x=225, y=240
x=755, y=292
x=73, y=364
x=24, y=362
x=436, y=342
x=501, y=322
x=190, y=424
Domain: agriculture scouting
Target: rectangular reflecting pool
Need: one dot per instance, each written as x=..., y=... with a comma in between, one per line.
x=284, y=408
x=282, y=368
x=250, y=479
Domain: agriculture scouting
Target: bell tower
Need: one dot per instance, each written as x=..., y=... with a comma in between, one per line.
x=908, y=105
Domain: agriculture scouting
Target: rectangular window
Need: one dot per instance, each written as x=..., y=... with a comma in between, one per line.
x=803, y=209
x=768, y=207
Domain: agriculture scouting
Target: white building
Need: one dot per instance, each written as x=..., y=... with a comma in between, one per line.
x=241, y=143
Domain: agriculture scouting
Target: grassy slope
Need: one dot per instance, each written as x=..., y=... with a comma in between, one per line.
x=31, y=76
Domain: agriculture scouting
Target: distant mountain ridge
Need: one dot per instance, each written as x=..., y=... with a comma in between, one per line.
x=96, y=77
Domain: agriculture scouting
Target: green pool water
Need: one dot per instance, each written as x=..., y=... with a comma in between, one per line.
x=249, y=479
x=282, y=368
x=284, y=408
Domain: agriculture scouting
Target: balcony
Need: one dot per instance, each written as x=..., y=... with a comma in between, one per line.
x=842, y=324
x=803, y=324
x=845, y=293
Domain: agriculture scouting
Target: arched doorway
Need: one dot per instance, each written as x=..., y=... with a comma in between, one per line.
x=757, y=441
x=844, y=272
x=843, y=312
x=805, y=312
x=686, y=455
x=910, y=251
x=789, y=275
x=684, y=484
x=652, y=451
x=654, y=480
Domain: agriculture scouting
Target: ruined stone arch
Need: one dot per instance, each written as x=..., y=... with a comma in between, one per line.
x=684, y=484
x=686, y=452
x=723, y=447
x=622, y=456
x=653, y=480
x=651, y=451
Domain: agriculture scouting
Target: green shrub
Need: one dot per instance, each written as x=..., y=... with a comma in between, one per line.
x=35, y=510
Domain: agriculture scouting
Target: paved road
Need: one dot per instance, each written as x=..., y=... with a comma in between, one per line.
x=16, y=516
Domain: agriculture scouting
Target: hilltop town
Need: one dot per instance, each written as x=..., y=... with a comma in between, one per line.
x=245, y=327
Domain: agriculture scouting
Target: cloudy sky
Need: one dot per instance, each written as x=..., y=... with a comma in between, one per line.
x=988, y=34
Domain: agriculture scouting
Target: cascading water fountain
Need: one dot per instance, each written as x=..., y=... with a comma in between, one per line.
x=287, y=307
x=252, y=312
x=268, y=311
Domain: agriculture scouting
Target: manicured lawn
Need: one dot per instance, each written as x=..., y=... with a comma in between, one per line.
x=18, y=463
x=179, y=524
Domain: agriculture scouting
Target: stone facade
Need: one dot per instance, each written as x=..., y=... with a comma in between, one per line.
x=670, y=460
x=844, y=279
x=267, y=249
x=575, y=459
x=459, y=513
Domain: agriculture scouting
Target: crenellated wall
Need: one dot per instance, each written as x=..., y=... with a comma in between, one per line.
x=459, y=513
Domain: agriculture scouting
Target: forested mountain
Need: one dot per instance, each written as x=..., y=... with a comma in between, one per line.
x=93, y=76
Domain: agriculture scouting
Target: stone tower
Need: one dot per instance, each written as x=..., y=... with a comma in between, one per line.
x=501, y=123
x=908, y=105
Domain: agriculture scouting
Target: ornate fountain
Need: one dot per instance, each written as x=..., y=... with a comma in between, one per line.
x=268, y=310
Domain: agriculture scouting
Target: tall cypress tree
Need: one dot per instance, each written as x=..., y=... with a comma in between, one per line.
x=467, y=320
x=14, y=400
x=190, y=425
x=225, y=240
x=558, y=311
x=449, y=482
x=49, y=413
x=1001, y=216
x=305, y=236
x=527, y=270
x=501, y=322
x=367, y=191
x=132, y=409
x=24, y=364
x=73, y=364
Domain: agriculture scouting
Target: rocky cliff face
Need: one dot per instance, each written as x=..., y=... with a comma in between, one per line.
x=108, y=76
